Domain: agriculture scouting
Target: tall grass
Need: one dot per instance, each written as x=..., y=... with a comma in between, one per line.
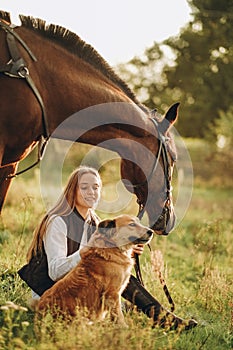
x=198, y=260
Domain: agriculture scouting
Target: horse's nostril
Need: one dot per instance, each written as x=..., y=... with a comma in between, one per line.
x=150, y=232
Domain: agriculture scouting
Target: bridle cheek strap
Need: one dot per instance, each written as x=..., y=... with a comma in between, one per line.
x=162, y=152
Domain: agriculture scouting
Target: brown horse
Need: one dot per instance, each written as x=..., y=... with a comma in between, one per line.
x=48, y=75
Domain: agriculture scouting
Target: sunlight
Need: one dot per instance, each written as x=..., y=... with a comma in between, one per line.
x=221, y=141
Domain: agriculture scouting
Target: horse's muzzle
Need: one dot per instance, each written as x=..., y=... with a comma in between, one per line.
x=165, y=223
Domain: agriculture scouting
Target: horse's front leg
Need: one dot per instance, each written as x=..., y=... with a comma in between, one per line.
x=5, y=182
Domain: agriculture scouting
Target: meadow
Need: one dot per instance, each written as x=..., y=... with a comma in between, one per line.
x=198, y=260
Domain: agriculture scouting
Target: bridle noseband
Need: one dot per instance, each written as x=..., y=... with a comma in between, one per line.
x=16, y=68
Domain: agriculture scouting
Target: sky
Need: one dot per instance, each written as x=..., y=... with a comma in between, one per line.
x=118, y=30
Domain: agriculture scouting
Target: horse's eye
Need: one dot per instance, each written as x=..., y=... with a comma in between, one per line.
x=132, y=224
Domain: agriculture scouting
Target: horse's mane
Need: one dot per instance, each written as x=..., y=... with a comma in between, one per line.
x=73, y=43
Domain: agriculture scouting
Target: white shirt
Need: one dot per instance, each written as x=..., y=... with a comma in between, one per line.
x=55, y=244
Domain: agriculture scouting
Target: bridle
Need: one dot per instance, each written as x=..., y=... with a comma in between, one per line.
x=16, y=67
x=163, y=152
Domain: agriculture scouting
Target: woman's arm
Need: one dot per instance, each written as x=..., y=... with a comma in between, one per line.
x=55, y=244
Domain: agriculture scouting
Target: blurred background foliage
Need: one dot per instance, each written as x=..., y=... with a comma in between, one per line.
x=195, y=68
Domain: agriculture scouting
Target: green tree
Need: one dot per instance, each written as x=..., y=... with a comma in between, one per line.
x=204, y=65
x=223, y=131
x=201, y=74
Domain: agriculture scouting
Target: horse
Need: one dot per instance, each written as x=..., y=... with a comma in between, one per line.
x=47, y=75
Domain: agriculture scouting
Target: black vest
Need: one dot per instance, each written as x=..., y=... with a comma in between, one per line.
x=35, y=273
x=75, y=225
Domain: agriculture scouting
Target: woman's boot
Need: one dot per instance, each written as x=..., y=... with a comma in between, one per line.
x=145, y=302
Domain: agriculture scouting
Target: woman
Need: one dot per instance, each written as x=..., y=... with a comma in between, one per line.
x=63, y=234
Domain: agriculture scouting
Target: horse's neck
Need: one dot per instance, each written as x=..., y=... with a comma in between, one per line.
x=70, y=84
x=84, y=99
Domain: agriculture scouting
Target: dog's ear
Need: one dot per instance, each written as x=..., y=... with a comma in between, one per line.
x=107, y=227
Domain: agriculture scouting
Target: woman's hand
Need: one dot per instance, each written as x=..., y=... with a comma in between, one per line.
x=138, y=249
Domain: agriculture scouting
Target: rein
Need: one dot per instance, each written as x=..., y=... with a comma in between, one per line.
x=17, y=68
x=162, y=152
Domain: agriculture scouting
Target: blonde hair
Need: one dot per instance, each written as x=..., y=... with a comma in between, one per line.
x=64, y=206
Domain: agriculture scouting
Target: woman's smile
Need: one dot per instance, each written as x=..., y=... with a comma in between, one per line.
x=88, y=193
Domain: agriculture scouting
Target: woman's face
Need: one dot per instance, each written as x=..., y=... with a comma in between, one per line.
x=88, y=193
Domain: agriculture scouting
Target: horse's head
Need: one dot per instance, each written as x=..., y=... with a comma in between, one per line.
x=152, y=185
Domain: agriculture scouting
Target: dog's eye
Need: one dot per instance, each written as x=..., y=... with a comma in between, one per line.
x=132, y=224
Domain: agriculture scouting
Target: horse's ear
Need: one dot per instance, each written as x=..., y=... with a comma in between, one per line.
x=170, y=118
x=107, y=227
x=5, y=16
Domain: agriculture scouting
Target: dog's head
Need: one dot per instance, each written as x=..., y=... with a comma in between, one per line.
x=125, y=231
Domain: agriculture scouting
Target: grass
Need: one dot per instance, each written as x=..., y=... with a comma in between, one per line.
x=198, y=260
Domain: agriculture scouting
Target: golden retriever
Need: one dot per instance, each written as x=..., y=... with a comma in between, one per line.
x=98, y=280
